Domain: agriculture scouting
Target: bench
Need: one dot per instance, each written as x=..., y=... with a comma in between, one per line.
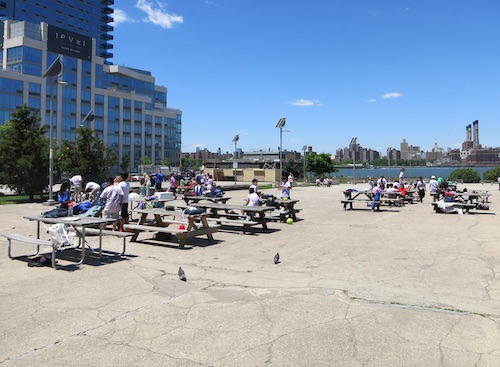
x=32, y=241
x=231, y=222
x=286, y=214
x=466, y=206
x=350, y=201
x=108, y=232
x=182, y=234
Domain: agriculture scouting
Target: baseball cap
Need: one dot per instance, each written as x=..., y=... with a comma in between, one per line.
x=433, y=177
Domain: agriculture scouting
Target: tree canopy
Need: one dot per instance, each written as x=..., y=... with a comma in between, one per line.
x=468, y=175
x=492, y=174
x=24, y=153
x=320, y=164
x=88, y=156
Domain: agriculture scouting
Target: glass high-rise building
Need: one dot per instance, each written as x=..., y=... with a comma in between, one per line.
x=131, y=113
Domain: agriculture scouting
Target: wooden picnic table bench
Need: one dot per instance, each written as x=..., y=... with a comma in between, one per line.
x=254, y=213
x=213, y=199
x=186, y=230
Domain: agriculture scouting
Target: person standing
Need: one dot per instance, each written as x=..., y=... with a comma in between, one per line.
x=113, y=197
x=402, y=176
x=291, y=178
x=286, y=187
x=371, y=184
x=77, y=182
x=92, y=188
x=498, y=179
x=433, y=187
x=159, y=180
x=125, y=187
x=173, y=185
x=421, y=188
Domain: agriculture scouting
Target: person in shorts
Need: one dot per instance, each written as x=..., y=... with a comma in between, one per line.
x=113, y=197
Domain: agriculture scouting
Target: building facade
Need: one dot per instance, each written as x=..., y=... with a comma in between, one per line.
x=129, y=110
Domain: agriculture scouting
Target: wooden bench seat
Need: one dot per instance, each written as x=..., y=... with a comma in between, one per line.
x=32, y=241
x=182, y=234
x=233, y=222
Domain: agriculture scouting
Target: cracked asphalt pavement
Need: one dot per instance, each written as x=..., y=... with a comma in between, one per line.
x=400, y=287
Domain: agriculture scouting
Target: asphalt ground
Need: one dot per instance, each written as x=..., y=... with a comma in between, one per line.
x=400, y=287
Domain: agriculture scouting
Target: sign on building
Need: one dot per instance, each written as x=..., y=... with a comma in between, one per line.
x=62, y=41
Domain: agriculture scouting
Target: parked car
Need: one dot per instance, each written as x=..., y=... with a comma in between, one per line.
x=134, y=176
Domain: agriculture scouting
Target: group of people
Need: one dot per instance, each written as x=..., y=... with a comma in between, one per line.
x=402, y=185
x=113, y=197
x=154, y=183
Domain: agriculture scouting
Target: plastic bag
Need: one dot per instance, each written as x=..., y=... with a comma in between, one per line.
x=59, y=234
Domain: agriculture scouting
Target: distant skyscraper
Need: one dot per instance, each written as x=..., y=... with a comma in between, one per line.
x=131, y=113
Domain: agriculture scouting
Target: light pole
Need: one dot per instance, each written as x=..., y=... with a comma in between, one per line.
x=54, y=70
x=389, y=150
x=281, y=124
x=235, y=163
x=89, y=117
x=304, y=148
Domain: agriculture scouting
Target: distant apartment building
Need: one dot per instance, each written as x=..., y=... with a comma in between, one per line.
x=130, y=112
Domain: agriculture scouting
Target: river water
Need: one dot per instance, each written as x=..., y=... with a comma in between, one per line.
x=410, y=172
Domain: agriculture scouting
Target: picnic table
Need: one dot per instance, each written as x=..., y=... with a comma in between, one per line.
x=81, y=226
x=366, y=196
x=213, y=199
x=288, y=207
x=183, y=230
x=230, y=213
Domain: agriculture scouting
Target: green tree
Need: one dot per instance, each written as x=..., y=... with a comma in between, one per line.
x=492, y=174
x=320, y=164
x=165, y=162
x=24, y=153
x=291, y=166
x=467, y=175
x=125, y=163
x=146, y=161
x=87, y=156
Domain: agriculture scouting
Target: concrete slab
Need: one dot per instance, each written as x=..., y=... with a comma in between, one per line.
x=401, y=287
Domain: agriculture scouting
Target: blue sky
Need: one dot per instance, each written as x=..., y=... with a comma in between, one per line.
x=380, y=70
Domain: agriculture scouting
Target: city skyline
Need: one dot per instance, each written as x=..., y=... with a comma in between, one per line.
x=378, y=70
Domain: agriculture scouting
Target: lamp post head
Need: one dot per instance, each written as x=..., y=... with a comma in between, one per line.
x=281, y=123
x=54, y=69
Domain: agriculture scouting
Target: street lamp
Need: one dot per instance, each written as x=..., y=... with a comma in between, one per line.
x=89, y=117
x=54, y=70
x=389, y=150
x=304, y=148
x=235, y=163
x=281, y=124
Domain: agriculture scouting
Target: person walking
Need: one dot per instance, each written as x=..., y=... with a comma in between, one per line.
x=421, y=188
x=125, y=187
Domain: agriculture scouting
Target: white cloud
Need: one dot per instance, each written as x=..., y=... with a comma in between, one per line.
x=371, y=100
x=391, y=95
x=119, y=16
x=304, y=102
x=157, y=15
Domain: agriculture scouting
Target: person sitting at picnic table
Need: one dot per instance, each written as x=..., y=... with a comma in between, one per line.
x=286, y=187
x=382, y=182
x=63, y=197
x=402, y=190
x=255, y=186
x=198, y=189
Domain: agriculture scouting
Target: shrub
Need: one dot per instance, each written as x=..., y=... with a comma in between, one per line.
x=467, y=175
x=492, y=174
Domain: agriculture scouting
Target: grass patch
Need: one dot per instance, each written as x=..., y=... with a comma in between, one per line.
x=21, y=199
